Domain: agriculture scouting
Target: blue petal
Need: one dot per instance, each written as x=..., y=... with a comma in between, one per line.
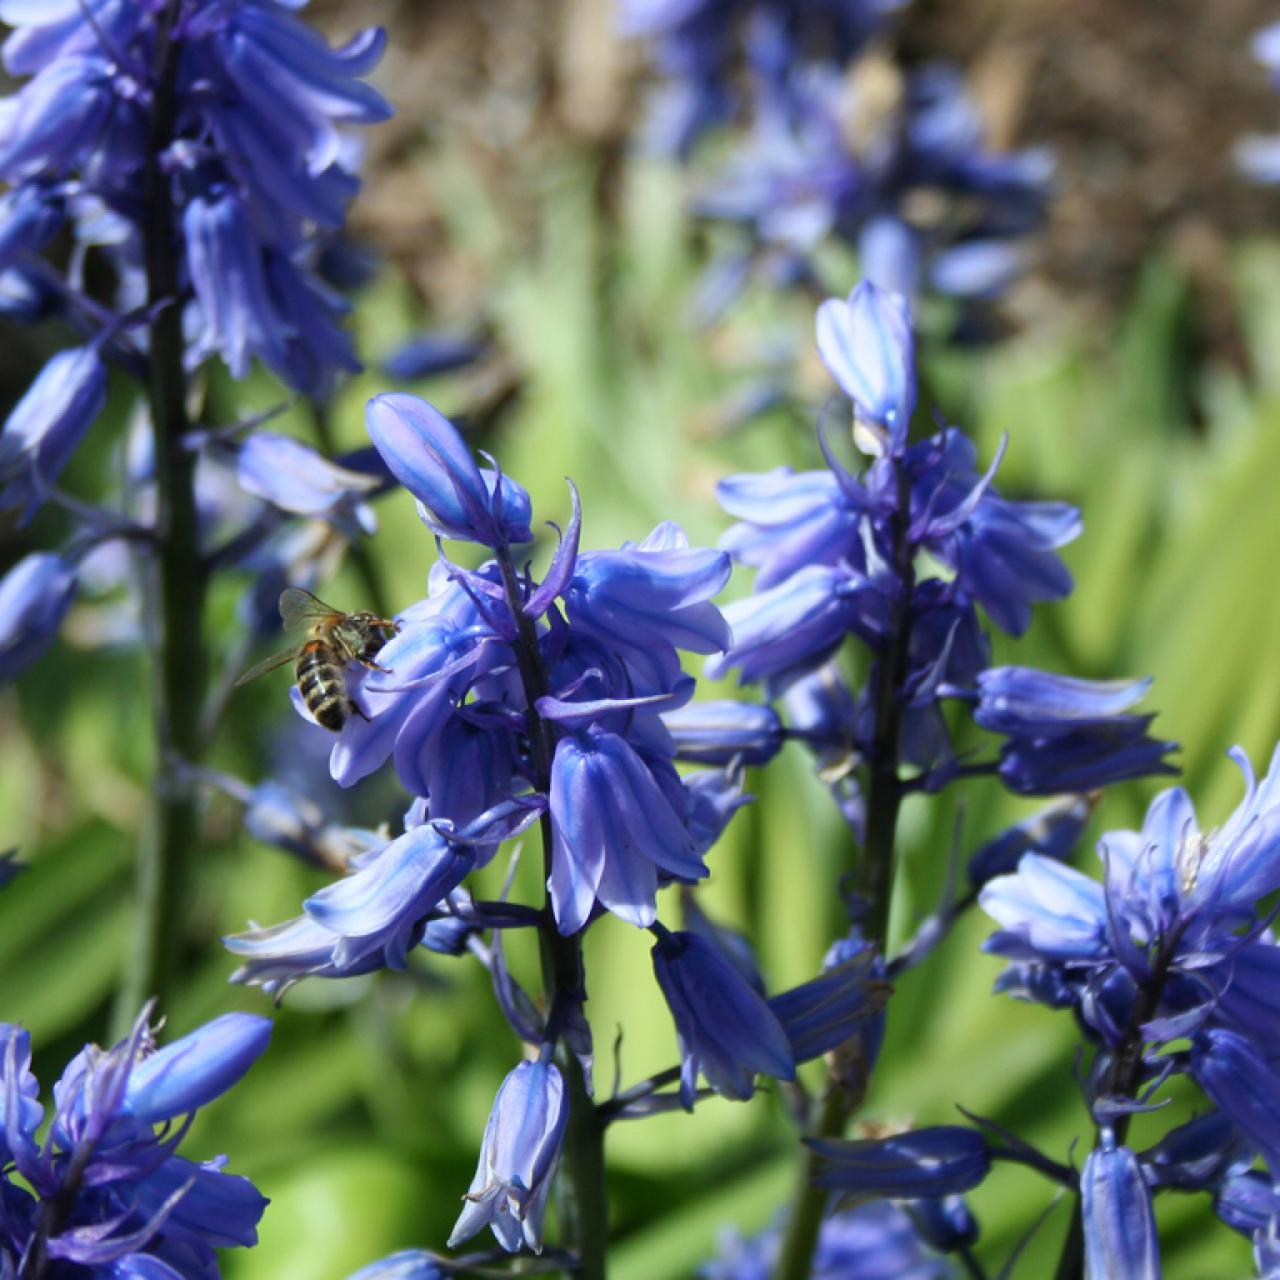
x=1119, y=1229
x=193, y=1071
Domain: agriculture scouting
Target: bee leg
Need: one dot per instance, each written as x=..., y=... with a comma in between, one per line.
x=370, y=665
x=357, y=710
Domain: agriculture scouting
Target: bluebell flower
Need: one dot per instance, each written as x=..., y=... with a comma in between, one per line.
x=430, y=354
x=428, y=456
x=47, y=425
x=1119, y=1227
x=408, y=1264
x=129, y=1205
x=255, y=186
x=796, y=626
x=10, y=867
x=828, y=1011
x=1003, y=553
x=294, y=477
x=875, y=1241
x=380, y=909
x=1243, y=1083
x=721, y=732
x=945, y=1223
x=615, y=831
x=940, y=1161
x=867, y=345
x=790, y=520
x=725, y=1028
x=30, y=216
x=1247, y=1201
x=1052, y=832
x=1205, y=1152
x=849, y=155
x=518, y=1159
x=34, y=598
x=1178, y=909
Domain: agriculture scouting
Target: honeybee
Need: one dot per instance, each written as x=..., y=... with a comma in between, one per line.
x=334, y=639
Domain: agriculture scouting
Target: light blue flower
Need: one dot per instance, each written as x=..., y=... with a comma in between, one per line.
x=518, y=1159
x=1119, y=1227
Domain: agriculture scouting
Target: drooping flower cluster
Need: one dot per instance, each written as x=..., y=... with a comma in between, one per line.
x=903, y=558
x=1173, y=944
x=211, y=135
x=696, y=42
x=841, y=144
x=104, y=1192
x=254, y=161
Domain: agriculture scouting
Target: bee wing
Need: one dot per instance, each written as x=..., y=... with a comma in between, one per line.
x=268, y=664
x=298, y=608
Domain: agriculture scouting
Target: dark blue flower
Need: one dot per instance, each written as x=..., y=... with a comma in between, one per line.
x=875, y=1241
x=1119, y=1227
x=47, y=425
x=127, y=1204
x=430, y=354
x=1244, y=1085
x=1003, y=553
x=1052, y=832
x=940, y=1161
x=34, y=598
x=615, y=831
x=725, y=1027
x=408, y=1264
x=796, y=626
x=518, y=1159
x=428, y=456
x=722, y=732
x=830, y=1010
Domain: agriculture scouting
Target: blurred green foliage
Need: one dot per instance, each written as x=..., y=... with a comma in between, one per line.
x=363, y=1120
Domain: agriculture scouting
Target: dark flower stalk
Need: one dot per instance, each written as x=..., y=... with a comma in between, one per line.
x=176, y=582
x=884, y=802
x=584, y=1200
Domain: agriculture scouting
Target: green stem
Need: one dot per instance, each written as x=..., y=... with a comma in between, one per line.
x=884, y=803
x=585, y=1203
x=176, y=588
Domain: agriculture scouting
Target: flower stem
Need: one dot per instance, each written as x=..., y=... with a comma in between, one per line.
x=884, y=803
x=1123, y=1078
x=584, y=1210
x=176, y=583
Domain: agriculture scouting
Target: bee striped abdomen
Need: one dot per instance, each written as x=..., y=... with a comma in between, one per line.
x=322, y=685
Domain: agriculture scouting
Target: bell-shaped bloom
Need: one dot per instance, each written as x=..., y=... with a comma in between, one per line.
x=430, y=354
x=237, y=317
x=1048, y=910
x=726, y=1029
x=278, y=956
x=408, y=1264
x=191, y=1072
x=941, y=1161
x=1066, y=734
x=456, y=498
x=1052, y=832
x=30, y=216
x=876, y=1241
x=946, y=1223
x=829, y=1010
x=1119, y=1227
x=1198, y=1155
x=867, y=345
x=1247, y=1201
x=1242, y=1083
x=55, y=119
x=126, y=1203
x=381, y=907
x=649, y=599
x=294, y=477
x=615, y=831
x=518, y=1159
x=721, y=732
x=47, y=425
x=791, y=520
x=34, y=598
x=1022, y=702
x=1004, y=553
x=797, y=625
